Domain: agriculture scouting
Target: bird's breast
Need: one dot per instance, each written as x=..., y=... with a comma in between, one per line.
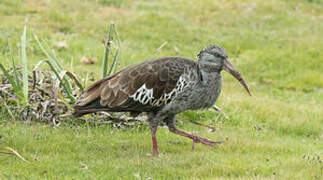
x=211, y=90
x=203, y=94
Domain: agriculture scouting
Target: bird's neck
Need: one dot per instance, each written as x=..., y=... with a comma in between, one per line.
x=210, y=84
x=209, y=72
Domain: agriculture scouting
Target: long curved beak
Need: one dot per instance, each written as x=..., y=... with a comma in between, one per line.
x=229, y=68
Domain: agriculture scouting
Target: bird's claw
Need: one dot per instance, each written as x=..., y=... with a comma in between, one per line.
x=205, y=141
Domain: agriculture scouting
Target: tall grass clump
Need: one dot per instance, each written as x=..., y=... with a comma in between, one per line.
x=48, y=94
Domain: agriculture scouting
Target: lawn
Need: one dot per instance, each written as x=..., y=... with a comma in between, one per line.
x=277, y=45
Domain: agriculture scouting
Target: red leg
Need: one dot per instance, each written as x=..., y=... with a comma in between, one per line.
x=196, y=139
x=153, y=137
x=203, y=125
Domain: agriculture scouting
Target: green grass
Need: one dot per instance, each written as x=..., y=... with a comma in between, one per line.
x=277, y=46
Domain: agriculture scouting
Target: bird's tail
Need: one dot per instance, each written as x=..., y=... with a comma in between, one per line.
x=92, y=107
x=89, y=101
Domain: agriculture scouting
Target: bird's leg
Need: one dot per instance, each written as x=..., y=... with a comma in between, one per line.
x=153, y=137
x=203, y=125
x=196, y=139
x=153, y=129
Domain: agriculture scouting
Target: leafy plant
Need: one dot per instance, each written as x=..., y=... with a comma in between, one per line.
x=14, y=80
x=58, y=71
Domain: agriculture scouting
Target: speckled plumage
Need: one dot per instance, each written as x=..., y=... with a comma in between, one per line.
x=162, y=88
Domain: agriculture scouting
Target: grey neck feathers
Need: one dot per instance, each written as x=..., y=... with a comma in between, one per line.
x=208, y=72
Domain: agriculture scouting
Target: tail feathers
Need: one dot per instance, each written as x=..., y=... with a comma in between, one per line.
x=92, y=107
x=90, y=94
x=89, y=101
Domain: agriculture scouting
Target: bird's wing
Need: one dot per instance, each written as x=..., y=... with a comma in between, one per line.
x=148, y=84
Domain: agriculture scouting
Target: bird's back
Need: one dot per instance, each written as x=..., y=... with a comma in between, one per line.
x=144, y=87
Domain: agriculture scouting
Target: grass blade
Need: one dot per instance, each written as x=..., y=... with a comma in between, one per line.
x=159, y=48
x=55, y=58
x=105, y=62
x=24, y=64
x=14, y=66
x=51, y=59
x=106, y=53
x=73, y=77
x=114, y=64
x=15, y=152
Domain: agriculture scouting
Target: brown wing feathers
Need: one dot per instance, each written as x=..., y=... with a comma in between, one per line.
x=160, y=75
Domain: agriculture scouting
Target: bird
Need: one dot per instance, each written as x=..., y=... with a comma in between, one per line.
x=162, y=88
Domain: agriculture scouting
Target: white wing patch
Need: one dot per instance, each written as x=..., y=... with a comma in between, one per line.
x=145, y=95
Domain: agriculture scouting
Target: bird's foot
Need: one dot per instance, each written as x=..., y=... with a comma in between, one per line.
x=198, y=139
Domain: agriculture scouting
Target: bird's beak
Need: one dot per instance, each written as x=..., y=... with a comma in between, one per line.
x=229, y=68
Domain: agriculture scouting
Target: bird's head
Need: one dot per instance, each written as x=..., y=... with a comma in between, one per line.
x=216, y=56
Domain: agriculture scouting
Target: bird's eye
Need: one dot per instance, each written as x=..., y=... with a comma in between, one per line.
x=217, y=55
